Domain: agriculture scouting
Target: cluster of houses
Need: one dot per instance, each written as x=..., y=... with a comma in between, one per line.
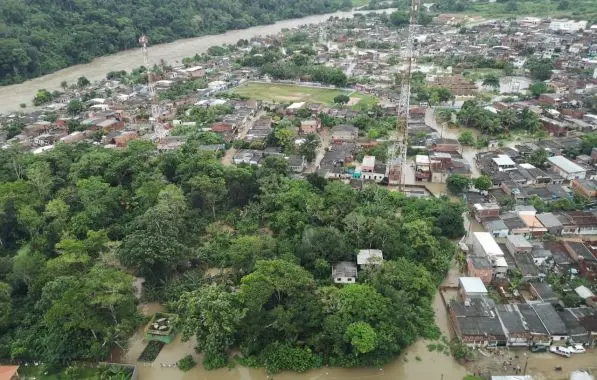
x=524, y=310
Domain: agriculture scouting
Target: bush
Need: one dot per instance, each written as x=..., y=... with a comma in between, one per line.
x=282, y=356
x=186, y=363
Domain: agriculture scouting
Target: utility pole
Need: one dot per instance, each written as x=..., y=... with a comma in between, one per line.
x=398, y=147
x=158, y=130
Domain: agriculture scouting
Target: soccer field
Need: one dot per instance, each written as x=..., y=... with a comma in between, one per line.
x=287, y=93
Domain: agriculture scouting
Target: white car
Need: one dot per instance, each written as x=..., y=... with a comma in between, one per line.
x=577, y=349
x=562, y=351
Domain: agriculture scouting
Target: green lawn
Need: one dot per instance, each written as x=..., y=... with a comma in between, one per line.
x=366, y=101
x=283, y=93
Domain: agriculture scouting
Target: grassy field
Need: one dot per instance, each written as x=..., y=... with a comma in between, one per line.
x=285, y=93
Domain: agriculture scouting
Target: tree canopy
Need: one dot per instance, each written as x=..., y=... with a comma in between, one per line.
x=77, y=221
x=40, y=36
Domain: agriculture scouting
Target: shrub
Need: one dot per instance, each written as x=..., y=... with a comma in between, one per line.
x=151, y=351
x=186, y=363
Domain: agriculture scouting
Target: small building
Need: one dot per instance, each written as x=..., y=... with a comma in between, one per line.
x=543, y=292
x=368, y=165
x=496, y=227
x=504, y=163
x=476, y=323
x=485, y=245
x=344, y=272
x=309, y=126
x=369, y=257
x=566, y=168
x=484, y=211
x=518, y=244
x=470, y=287
x=123, y=139
x=344, y=133
x=297, y=163
x=552, y=321
x=480, y=267
x=551, y=222
x=584, y=187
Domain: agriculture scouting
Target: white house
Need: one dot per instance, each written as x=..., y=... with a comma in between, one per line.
x=504, y=163
x=485, y=245
x=344, y=272
x=566, y=168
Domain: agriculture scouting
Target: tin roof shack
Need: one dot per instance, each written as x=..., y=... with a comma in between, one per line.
x=344, y=272
x=476, y=323
x=518, y=244
x=543, y=292
x=539, y=334
x=161, y=328
x=566, y=168
x=551, y=222
x=480, y=267
x=553, y=323
x=485, y=211
x=515, y=224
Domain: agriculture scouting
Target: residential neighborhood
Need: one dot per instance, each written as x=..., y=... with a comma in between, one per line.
x=501, y=120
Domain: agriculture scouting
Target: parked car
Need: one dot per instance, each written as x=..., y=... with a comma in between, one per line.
x=558, y=350
x=577, y=349
x=539, y=348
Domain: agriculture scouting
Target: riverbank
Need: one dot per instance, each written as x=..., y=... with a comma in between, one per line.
x=12, y=96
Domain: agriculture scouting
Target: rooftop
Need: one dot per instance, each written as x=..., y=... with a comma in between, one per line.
x=544, y=291
x=519, y=241
x=550, y=318
x=369, y=256
x=565, y=164
x=488, y=243
x=549, y=220
x=503, y=160
x=472, y=285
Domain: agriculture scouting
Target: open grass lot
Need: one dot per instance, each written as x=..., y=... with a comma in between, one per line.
x=288, y=93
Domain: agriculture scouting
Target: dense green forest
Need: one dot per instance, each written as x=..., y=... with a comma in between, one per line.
x=38, y=37
x=78, y=222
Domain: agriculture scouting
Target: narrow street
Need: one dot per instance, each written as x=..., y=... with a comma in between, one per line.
x=229, y=155
x=326, y=140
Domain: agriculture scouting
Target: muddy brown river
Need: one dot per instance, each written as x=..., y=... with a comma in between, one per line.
x=12, y=96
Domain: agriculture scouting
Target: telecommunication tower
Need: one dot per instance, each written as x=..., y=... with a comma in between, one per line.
x=157, y=128
x=398, y=146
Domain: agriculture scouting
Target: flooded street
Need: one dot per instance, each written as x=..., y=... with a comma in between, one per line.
x=417, y=362
x=12, y=96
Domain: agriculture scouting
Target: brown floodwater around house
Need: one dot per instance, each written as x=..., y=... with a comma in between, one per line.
x=416, y=363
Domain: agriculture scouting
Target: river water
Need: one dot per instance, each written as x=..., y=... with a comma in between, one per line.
x=12, y=96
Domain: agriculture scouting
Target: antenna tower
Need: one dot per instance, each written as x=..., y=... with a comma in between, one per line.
x=398, y=148
x=157, y=128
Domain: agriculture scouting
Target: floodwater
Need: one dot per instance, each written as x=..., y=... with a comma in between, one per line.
x=417, y=362
x=12, y=96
